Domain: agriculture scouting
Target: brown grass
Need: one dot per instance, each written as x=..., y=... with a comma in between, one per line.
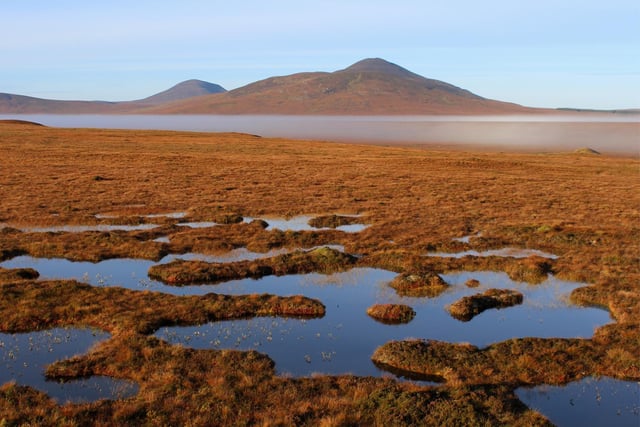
x=581, y=208
x=391, y=313
x=472, y=283
x=29, y=306
x=422, y=284
x=334, y=221
x=518, y=362
x=466, y=308
x=321, y=260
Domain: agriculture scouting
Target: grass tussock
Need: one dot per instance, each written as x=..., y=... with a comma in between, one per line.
x=13, y=274
x=391, y=313
x=321, y=260
x=472, y=283
x=90, y=246
x=333, y=221
x=533, y=269
x=28, y=306
x=253, y=236
x=437, y=407
x=424, y=284
x=525, y=361
x=466, y=308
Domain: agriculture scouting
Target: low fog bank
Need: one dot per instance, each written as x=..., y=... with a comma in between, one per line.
x=607, y=133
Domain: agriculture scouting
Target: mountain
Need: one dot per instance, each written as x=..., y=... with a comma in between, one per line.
x=19, y=104
x=371, y=86
x=184, y=90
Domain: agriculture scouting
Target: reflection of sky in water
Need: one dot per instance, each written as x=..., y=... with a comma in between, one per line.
x=301, y=223
x=25, y=357
x=132, y=273
x=344, y=340
x=505, y=252
x=467, y=238
x=589, y=402
x=198, y=224
x=83, y=228
x=174, y=215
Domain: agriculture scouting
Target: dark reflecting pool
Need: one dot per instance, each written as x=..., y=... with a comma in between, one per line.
x=589, y=402
x=344, y=340
x=25, y=357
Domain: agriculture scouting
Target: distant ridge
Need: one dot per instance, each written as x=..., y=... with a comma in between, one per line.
x=20, y=104
x=20, y=122
x=372, y=86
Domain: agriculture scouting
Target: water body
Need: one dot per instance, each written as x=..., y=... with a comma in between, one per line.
x=298, y=223
x=345, y=338
x=25, y=356
x=83, y=228
x=336, y=344
x=132, y=273
x=198, y=224
x=301, y=223
x=602, y=132
x=589, y=402
x=505, y=252
x=160, y=215
x=467, y=238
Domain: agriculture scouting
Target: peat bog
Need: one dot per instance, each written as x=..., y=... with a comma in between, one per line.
x=590, y=401
x=26, y=355
x=235, y=351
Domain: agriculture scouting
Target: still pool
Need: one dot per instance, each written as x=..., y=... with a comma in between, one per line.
x=25, y=356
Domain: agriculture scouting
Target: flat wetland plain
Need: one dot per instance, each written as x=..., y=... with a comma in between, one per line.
x=581, y=207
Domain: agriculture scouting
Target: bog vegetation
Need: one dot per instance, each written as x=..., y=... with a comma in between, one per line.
x=579, y=206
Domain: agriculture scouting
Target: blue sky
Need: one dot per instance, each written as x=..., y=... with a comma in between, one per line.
x=543, y=53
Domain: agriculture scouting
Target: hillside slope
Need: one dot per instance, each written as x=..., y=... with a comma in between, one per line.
x=19, y=104
x=371, y=86
x=183, y=90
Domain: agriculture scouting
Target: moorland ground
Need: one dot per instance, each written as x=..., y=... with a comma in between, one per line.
x=580, y=206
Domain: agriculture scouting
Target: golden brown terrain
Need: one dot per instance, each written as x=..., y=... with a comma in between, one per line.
x=582, y=207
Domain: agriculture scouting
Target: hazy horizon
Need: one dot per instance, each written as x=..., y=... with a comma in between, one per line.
x=543, y=54
x=607, y=133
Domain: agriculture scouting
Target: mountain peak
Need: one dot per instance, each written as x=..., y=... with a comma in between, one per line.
x=379, y=65
x=183, y=90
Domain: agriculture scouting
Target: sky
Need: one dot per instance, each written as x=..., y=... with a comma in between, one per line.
x=539, y=53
